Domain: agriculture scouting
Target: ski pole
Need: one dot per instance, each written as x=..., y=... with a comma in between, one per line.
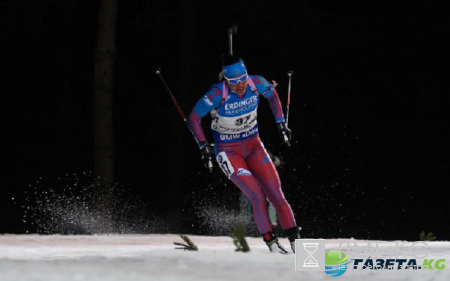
x=231, y=30
x=158, y=72
x=289, y=73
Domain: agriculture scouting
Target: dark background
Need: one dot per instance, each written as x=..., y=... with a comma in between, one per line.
x=369, y=107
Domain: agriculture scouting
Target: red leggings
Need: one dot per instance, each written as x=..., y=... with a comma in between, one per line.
x=248, y=165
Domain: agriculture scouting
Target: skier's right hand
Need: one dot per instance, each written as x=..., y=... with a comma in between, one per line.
x=207, y=156
x=285, y=133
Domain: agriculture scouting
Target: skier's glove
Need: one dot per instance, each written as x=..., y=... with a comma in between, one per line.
x=285, y=133
x=207, y=156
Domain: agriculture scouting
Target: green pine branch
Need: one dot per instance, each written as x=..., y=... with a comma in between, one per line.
x=428, y=237
x=238, y=235
x=189, y=246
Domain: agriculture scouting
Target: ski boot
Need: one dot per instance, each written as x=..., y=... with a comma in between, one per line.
x=292, y=234
x=273, y=243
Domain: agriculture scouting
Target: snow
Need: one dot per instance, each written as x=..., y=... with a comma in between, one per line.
x=154, y=257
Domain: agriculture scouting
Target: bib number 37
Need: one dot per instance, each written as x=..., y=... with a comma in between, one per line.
x=225, y=164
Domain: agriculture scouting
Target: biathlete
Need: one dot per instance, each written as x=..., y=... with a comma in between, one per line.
x=238, y=149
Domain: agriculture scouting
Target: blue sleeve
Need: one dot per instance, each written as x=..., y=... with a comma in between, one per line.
x=268, y=91
x=209, y=101
x=264, y=88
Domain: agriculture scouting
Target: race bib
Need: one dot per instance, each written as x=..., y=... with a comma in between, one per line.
x=234, y=125
x=225, y=164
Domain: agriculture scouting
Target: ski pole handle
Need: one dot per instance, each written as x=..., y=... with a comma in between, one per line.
x=210, y=166
x=286, y=140
x=232, y=30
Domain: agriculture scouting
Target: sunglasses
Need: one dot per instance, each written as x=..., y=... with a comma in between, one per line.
x=235, y=81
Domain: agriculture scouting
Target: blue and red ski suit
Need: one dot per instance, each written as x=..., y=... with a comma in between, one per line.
x=238, y=148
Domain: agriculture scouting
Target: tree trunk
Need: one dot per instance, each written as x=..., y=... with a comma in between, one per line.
x=103, y=92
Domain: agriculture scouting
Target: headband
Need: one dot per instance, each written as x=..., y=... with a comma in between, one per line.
x=234, y=70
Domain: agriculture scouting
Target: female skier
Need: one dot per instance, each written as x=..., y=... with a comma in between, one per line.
x=239, y=151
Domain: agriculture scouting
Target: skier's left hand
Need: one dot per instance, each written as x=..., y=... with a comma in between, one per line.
x=207, y=157
x=285, y=133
